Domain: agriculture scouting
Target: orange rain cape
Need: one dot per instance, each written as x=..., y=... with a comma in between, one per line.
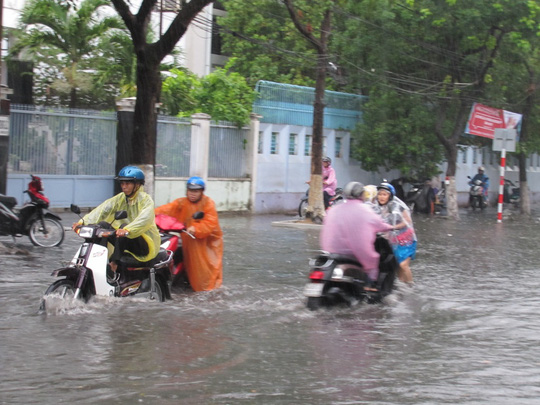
x=203, y=256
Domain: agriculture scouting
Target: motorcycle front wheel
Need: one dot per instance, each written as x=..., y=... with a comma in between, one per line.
x=61, y=289
x=46, y=233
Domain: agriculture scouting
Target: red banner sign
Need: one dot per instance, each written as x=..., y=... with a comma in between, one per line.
x=483, y=120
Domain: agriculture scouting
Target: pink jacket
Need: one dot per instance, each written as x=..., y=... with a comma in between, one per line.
x=329, y=180
x=351, y=228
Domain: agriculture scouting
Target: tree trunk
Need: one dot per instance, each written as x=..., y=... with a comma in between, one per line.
x=143, y=148
x=315, y=200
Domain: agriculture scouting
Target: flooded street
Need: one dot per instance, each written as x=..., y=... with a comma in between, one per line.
x=467, y=333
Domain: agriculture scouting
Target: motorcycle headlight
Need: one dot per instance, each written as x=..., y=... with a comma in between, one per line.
x=86, y=232
x=338, y=273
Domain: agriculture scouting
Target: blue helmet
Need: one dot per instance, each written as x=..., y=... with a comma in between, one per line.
x=195, y=183
x=131, y=173
x=387, y=187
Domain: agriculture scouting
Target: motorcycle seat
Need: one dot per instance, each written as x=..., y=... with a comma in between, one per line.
x=131, y=263
x=346, y=259
x=9, y=202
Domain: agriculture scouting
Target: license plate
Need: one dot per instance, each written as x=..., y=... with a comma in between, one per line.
x=313, y=289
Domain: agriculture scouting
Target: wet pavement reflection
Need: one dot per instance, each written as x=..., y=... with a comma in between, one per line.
x=467, y=333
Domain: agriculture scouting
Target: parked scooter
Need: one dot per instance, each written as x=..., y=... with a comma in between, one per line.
x=169, y=230
x=33, y=219
x=340, y=279
x=512, y=193
x=476, y=195
x=421, y=198
x=335, y=199
x=89, y=273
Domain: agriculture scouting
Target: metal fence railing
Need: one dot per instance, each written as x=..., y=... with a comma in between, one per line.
x=61, y=141
x=173, y=146
x=227, y=143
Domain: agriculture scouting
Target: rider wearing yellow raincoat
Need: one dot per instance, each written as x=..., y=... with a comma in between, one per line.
x=203, y=256
x=138, y=234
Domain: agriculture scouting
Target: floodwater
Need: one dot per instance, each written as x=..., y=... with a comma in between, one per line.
x=467, y=333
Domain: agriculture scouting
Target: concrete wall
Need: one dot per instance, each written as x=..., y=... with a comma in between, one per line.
x=228, y=194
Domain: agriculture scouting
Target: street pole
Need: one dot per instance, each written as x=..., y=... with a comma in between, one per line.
x=501, y=185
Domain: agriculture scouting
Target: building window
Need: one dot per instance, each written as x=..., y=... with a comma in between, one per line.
x=260, y=144
x=338, y=147
x=216, y=37
x=307, y=146
x=274, y=143
x=293, y=144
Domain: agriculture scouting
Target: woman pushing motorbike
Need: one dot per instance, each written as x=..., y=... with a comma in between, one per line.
x=403, y=238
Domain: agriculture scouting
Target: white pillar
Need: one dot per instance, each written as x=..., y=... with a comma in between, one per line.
x=251, y=157
x=200, y=145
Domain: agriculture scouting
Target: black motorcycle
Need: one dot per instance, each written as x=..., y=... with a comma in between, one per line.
x=33, y=219
x=512, y=193
x=340, y=279
x=421, y=198
x=337, y=198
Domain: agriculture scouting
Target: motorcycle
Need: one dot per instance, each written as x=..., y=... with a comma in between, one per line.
x=89, y=273
x=511, y=197
x=420, y=198
x=169, y=231
x=476, y=195
x=335, y=199
x=32, y=219
x=340, y=279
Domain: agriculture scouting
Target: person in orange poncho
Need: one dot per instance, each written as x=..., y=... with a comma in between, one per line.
x=203, y=256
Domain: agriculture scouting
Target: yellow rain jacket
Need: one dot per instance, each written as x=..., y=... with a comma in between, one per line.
x=140, y=220
x=203, y=256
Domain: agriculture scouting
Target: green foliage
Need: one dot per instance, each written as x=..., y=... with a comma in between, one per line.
x=63, y=39
x=397, y=134
x=224, y=95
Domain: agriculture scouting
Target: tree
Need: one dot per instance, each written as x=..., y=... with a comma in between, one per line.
x=142, y=143
x=319, y=14
x=224, y=96
x=441, y=52
x=61, y=37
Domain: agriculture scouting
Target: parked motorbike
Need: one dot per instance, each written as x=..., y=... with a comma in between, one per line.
x=32, y=219
x=169, y=230
x=421, y=198
x=476, y=195
x=340, y=279
x=512, y=193
x=335, y=199
x=89, y=273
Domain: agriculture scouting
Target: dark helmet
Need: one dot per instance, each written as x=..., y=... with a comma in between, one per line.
x=327, y=159
x=195, y=183
x=387, y=187
x=131, y=173
x=353, y=190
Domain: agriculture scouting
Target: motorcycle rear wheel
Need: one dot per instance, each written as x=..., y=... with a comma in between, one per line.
x=159, y=296
x=302, y=208
x=53, y=237
x=314, y=303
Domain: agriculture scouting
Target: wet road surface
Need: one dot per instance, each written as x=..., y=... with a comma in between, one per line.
x=467, y=333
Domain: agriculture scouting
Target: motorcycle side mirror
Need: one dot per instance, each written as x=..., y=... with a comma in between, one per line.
x=468, y=177
x=75, y=209
x=120, y=215
x=198, y=215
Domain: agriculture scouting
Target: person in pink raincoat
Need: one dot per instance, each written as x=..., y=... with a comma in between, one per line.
x=329, y=180
x=351, y=228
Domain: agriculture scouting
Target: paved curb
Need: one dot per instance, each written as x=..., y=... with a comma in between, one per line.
x=296, y=223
